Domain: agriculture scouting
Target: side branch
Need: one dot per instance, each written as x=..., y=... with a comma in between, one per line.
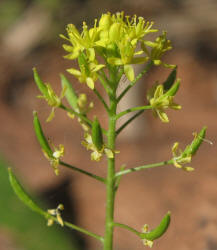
x=129, y=121
x=101, y=99
x=131, y=110
x=154, y=165
x=82, y=230
x=82, y=117
x=83, y=172
x=148, y=66
x=127, y=227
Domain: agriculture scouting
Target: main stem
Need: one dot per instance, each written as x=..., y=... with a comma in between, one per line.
x=110, y=184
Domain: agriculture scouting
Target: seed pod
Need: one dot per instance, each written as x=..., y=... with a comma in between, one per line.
x=170, y=80
x=22, y=195
x=40, y=135
x=172, y=91
x=42, y=87
x=97, y=136
x=194, y=146
x=159, y=230
x=70, y=92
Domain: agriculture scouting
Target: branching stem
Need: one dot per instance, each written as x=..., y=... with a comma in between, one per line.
x=154, y=165
x=83, y=172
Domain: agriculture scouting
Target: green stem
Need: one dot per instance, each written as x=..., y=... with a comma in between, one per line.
x=83, y=171
x=83, y=117
x=154, y=165
x=101, y=99
x=148, y=66
x=104, y=83
x=131, y=110
x=80, y=229
x=129, y=121
x=110, y=184
x=128, y=228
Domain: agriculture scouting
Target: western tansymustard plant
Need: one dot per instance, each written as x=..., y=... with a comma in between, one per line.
x=105, y=53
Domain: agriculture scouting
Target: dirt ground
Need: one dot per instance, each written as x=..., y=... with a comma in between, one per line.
x=144, y=197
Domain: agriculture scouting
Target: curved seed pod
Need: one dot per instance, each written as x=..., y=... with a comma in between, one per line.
x=159, y=230
x=192, y=149
x=70, y=92
x=22, y=195
x=170, y=80
x=40, y=135
x=42, y=87
x=172, y=91
x=97, y=136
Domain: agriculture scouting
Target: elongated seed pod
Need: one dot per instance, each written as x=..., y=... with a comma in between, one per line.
x=40, y=135
x=70, y=92
x=170, y=80
x=175, y=87
x=42, y=87
x=192, y=149
x=22, y=195
x=159, y=230
x=97, y=136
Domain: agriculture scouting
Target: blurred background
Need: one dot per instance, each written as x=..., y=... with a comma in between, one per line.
x=30, y=38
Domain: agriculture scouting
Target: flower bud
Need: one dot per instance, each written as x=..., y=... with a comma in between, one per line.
x=114, y=32
x=105, y=21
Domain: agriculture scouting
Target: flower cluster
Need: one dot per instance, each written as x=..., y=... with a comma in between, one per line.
x=119, y=40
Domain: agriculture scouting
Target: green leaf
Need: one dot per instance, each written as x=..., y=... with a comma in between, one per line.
x=97, y=136
x=40, y=135
x=70, y=92
x=22, y=195
x=159, y=230
x=170, y=80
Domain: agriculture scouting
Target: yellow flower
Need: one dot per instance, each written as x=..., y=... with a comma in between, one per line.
x=55, y=158
x=160, y=100
x=56, y=212
x=97, y=154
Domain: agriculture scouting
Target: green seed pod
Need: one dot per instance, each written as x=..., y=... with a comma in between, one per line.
x=22, y=195
x=97, y=136
x=40, y=135
x=70, y=92
x=42, y=87
x=194, y=146
x=170, y=80
x=159, y=230
x=172, y=91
